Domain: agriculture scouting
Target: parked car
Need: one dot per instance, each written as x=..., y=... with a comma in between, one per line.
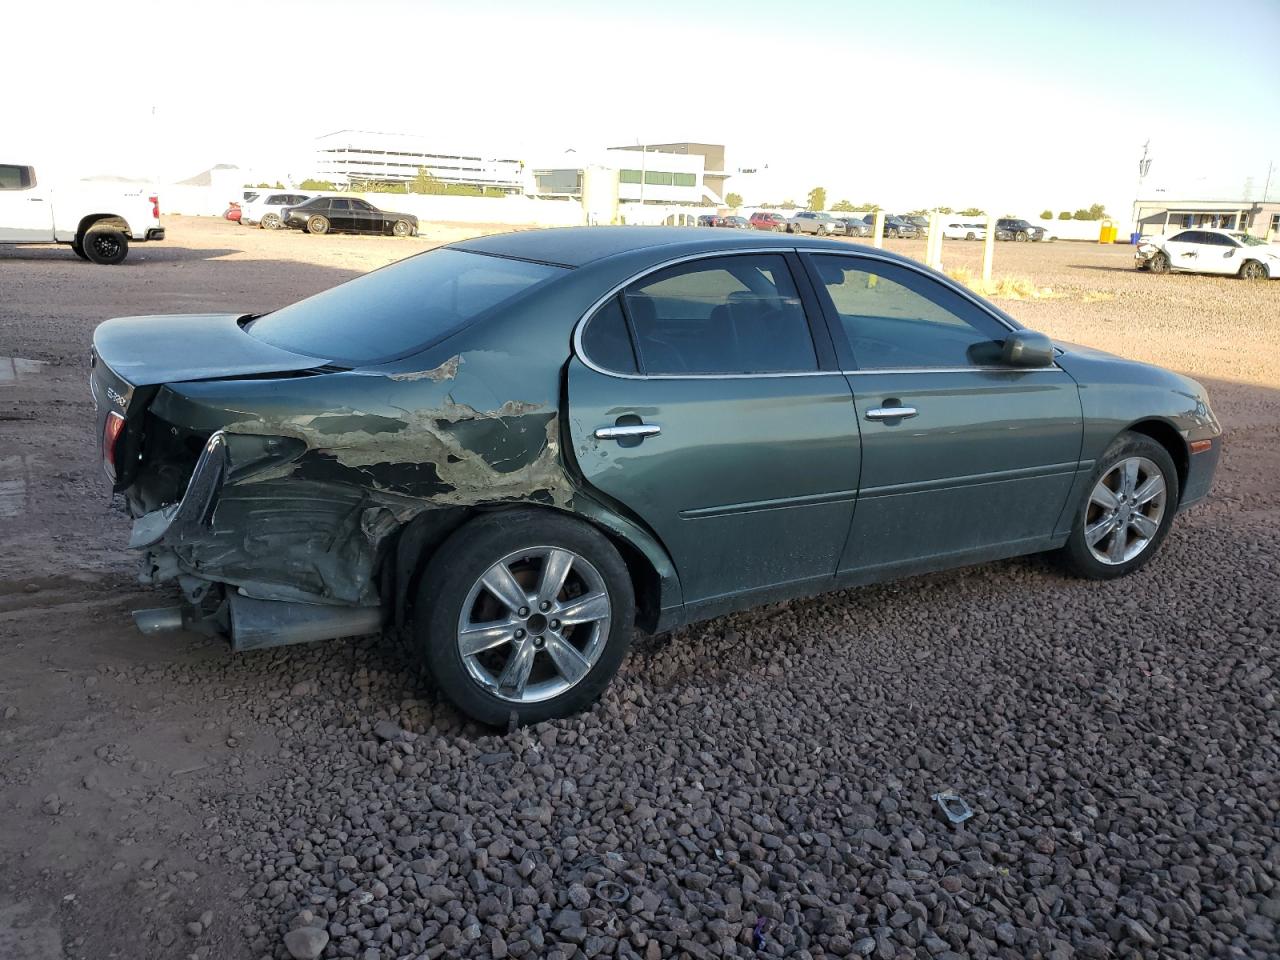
x=958, y=230
x=735, y=223
x=894, y=226
x=233, y=212
x=266, y=209
x=1019, y=230
x=1206, y=250
x=523, y=446
x=920, y=223
x=769, y=220
x=347, y=215
x=851, y=227
x=97, y=221
x=709, y=220
x=812, y=221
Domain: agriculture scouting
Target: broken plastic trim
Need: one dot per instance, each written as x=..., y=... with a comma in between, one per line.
x=956, y=810
x=196, y=504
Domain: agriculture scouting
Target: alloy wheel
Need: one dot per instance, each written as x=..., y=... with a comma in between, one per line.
x=1125, y=510
x=104, y=245
x=534, y=624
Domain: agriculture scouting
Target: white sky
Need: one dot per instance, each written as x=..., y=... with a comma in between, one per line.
x=1005, y=105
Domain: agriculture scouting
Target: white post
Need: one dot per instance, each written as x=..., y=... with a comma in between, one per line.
x=933, y=246
x=988, y=249
x=877, y=232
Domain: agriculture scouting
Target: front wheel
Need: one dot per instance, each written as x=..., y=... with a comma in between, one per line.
x=1022, y=236
x=777, y=228
x=524, y=612
x=270, y=221
x=1133, y=495
x=969, y=236
x=318, y=225
x=1159, y=263
x=401, y=228
x=1253, y=270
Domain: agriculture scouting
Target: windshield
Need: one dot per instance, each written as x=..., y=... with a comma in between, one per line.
x=1249, y=241
x=394, y=311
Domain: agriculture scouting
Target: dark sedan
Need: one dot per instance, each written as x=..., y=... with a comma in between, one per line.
x=852, y=227
x=347, y=215
x=709, y=220
x=524, y=446
x=735, y=223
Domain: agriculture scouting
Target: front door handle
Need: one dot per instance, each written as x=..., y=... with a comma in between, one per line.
x=628, y=431
x=891, y=413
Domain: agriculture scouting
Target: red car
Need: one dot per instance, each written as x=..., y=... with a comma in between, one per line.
x=232, y=212
x=769, y=220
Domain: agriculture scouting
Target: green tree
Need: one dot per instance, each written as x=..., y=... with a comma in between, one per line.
x=972, y=212
x=1095, y=212
x=734, y=200
x=316, y=185
x=264, y=186
x=870, y=207
x=945, y=211
x=1046, y=214
x=818, y=198
x=426, y=183
x=843, y=206
x=787, y=205
x=917, y=213
x=1065, y=215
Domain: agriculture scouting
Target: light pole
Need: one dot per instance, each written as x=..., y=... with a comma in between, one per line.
x=1144, y=166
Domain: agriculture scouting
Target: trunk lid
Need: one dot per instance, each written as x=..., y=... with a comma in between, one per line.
x=133, y=356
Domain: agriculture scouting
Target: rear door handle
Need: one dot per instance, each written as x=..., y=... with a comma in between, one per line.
x=628, y=431
x=891, y=413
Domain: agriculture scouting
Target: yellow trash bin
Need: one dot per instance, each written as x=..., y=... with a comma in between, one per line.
x=1107, y=234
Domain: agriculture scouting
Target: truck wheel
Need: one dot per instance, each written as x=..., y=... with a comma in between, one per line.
x=78, y=249
x=105, y=245
x=318, y=225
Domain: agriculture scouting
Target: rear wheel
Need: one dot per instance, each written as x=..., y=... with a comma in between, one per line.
x=525, y=613
x=105, y=245
x=1133, y=495
x=1253, y=270
x=1159, y=262
x=318, y=224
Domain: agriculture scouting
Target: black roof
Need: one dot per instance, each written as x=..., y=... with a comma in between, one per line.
x=578, y=246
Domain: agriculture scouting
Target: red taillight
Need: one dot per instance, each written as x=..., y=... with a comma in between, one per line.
x=155, y=207
x=111, y=431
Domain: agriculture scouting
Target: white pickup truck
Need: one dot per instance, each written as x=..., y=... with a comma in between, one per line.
x=98, y=222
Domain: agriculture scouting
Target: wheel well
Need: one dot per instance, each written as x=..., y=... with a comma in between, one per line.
x=101, y=219
x=406, y=559
x=1168, y=437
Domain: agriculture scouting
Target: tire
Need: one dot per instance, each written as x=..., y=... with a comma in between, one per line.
x=969, y=235
x=105, y=245
x=401, y=228
x=453, y=595
x=270, y=221
x=777, y=228
x=78, y=249
x=1021, y=236
x=318, y=224
x=1253, y=270
x=1119, y=547
x=1159, y=263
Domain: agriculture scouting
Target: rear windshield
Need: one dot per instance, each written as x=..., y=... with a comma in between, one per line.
x=394, y=311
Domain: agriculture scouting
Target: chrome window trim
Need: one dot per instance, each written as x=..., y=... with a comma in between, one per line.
x=871, y=254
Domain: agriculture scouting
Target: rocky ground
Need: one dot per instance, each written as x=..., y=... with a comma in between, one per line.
x=760, y=785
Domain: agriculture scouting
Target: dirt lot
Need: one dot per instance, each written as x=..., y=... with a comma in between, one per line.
x=160, y=798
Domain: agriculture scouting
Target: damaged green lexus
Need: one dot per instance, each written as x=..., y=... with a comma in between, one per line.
x=524, y=447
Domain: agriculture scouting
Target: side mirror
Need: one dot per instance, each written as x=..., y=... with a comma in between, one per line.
x=1026, y=348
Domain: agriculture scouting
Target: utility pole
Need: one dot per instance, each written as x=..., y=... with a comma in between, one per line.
x=1144, y=166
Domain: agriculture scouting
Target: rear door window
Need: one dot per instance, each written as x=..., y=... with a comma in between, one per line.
x=13, y=177
x=722, y=315
x=403, y=308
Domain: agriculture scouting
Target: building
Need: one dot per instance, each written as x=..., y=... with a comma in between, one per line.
x=714, y=173
x=1169, y=214
x=644, y=176
x=359, y=155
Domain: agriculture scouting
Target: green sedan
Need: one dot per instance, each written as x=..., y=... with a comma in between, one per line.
x=524, y=447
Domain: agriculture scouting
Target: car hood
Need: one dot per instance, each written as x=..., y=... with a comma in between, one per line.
x=213, y=346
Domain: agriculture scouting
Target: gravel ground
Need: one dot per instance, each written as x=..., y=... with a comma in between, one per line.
x=770, y=771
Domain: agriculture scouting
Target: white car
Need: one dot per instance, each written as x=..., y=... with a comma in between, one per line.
x=1205, y=250
x=264, y=209
x=955, y=230
x=98, y=222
